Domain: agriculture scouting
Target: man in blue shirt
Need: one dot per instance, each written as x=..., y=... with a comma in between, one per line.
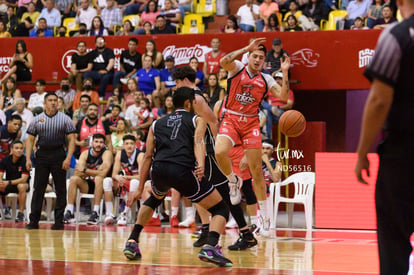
x=167, y=80
x=41, y=25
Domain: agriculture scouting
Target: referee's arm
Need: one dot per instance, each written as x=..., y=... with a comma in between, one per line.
x=29, y=148
x=71, y=149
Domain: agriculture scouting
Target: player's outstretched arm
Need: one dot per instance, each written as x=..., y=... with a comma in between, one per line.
x=200, y=146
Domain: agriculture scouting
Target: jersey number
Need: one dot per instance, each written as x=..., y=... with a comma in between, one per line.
x=176, y=123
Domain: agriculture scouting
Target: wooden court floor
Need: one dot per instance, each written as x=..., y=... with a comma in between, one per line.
x=82, y=249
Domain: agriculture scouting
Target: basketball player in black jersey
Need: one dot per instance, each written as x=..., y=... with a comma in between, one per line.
x=176, y=148
x=92, y=167
x=185, y=77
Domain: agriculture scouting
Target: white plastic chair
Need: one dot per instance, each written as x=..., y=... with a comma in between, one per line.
x=81, y=196
x=304, y=185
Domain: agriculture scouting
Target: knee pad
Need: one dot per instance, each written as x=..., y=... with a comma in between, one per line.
x=153, y=202
x=221, y=209
x=107, y=184
x=133, y=185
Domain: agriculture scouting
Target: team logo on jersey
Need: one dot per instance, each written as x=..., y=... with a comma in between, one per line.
x=245, y=97
x=42, y=120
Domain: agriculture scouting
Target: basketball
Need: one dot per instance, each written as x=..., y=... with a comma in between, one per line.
x=292, y=123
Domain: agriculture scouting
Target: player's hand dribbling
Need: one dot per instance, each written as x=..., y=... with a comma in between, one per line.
x=133, y=197
x=362, y=164
x=254, y=45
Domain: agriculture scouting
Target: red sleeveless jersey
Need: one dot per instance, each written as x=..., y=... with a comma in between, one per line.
x=246, y=93
x=87, y=132
x=213, y=63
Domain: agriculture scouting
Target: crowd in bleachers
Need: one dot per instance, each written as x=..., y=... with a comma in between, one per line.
x=47, y=18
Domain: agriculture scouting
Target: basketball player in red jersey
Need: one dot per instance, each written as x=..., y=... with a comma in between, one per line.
x=212, y=59
x=240, y=124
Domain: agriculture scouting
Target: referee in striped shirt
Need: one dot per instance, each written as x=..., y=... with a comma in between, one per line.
x=52, y=128
x=391, y=103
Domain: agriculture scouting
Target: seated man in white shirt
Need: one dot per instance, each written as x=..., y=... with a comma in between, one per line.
x=85, y=13
x=25, y=114
x=248, y=14
x=36, y=100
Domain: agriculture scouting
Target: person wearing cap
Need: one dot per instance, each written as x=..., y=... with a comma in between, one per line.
x=272, y=61
x=167, y=80
x=130, y=62
x=276, y=107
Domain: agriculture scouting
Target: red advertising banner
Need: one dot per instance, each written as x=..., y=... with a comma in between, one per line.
x=323, y=60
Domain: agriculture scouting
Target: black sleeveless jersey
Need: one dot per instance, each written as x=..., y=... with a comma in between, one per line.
x=174, y=138
x=208, y=139
x=93, y=162
x=129, y=166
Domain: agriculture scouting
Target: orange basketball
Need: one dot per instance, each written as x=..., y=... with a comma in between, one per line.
x=292, y=123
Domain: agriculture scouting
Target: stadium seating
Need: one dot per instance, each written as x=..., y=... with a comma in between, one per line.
x=206, y=8
x=70, y=24
x=334, y=16
x=193, y=23
x=134, y=18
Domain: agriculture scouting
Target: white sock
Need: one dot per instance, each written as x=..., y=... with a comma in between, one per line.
x=232, y=177
x=189, y=212
x=126, y=210
x=96, y=208
x=70, y=207
x=253, y=220
x=155, y=215
x=262, y=206
x=109, y=206
x=174, y=211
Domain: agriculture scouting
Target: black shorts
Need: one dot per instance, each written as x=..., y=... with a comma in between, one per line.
x=167, y=175
x=10, y=188
x=91, y=185
x=213, y=172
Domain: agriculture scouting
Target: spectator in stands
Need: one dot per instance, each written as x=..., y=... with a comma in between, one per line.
x=130, y=62
x=31, y=13
x=97, y=27
x=61, y=31
x=12, y=20
x=156, y=56
x=89, y=126
x=374, y=12
x=92, y=167
x=131, y=113
x=140, y=137
x=111, y=16
x=355, y=8
x=183, y=6
x=112, y=117
x=51, y=14
x=9, y=133
x=9, y=95
x=248, y=14
x=314, y=11
x=85, y=14
x=132, y=87
x=80, y=113
x=168, y=107
x=214, y=90
x=61, y=107
x=161, y=26
x=272, y=24
x=103, y=61
x=82, y=31
x=212, y=58
x=292, y=24
x=13, y=167
x=132, y=6
x=171, y=14
x=223, y=78
x=116, y=99
x=80, y=64
x=276, y=107
x=144, y=115
x=3, y=31
x=359, y=24
x=122, y=129
x=88, y=89
x=231, y=25
x=293, y=10
x=273, y=56
x=22, y=6
x=41, y=26
x=147, y=28
x=67, y=93
x=199, y=74
x=37, y=99
x=150, y=13
x=386, y=19
x=20, y=65
x=65, y=8
x=127, y=28
x=149, y=79
x=167, y=80
x=25, y=114
x=267, y=8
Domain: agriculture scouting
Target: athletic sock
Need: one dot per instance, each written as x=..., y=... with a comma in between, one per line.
x=253, y=219
x=213, y=238
x=109, y=207
x=96, y=208
x=263, y=208
x=135, y=232
x=71, y=208
x=174, y=211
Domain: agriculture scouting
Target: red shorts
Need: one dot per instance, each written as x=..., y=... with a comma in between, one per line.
x=242, y=130
x=236, y=154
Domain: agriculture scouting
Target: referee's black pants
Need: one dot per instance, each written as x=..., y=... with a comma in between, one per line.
x=49, y=161
x=394, y=199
